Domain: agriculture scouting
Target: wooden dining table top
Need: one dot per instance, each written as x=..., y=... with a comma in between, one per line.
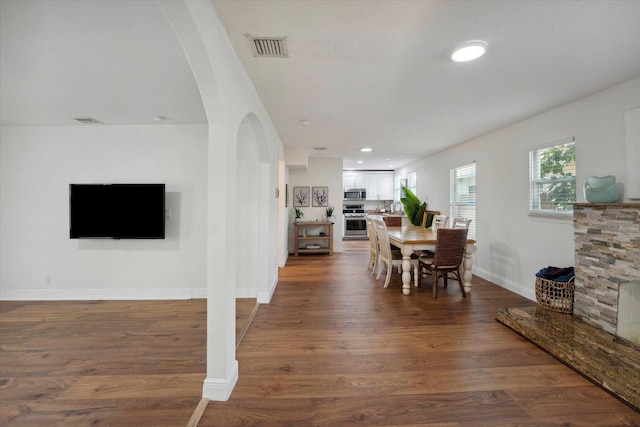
x=414, y=234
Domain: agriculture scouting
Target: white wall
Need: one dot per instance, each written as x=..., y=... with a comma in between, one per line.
x=37, y=164
x=247, y=212
x=512, y=246
x=321, y=172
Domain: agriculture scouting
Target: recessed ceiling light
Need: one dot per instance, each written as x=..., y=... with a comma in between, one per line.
x=319, y=148
x=359, y=162
x=366, y=149
x=305, y=122
x=469, y=51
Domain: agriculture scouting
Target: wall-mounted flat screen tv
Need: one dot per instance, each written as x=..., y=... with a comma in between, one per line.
x=116, y=211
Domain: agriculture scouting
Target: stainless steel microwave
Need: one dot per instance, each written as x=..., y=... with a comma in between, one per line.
x=355, y=194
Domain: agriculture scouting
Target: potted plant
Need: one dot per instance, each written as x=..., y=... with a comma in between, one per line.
x=412, y=206
x=299, y=214
x=329, y=211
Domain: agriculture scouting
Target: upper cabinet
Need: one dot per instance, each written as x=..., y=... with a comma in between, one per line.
x=379, y=185
x=352, y=180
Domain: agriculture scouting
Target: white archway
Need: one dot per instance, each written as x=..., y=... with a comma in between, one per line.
x=252, y=209
x=238, y=147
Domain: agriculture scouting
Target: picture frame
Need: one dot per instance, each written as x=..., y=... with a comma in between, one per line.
x=301, y=197
x=320, y=196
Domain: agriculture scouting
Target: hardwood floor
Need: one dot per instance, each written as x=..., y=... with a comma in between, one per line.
x=112, y=363
x=335, y=348
x=332, y=348
x=246, y=309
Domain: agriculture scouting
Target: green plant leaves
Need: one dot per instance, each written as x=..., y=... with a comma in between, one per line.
x=412, y=206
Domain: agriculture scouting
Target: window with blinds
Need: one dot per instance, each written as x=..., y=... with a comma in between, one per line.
x=398, y=188
x=552, y=178
x=462, y=194
x=412, y=182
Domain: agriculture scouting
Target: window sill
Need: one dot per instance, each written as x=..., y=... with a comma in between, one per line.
x=553, y=216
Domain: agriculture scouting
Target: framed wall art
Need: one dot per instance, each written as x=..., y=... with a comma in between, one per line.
x=320, y=196
x=301, y=197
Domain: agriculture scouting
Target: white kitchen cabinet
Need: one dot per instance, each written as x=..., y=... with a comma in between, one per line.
x=386, y=186
x=373, y=186
x=352, y=180
x=379, y=185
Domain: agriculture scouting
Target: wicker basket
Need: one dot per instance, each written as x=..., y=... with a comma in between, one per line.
x=556, y=296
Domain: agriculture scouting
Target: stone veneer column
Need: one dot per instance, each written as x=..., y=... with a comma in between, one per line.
x=607, y=239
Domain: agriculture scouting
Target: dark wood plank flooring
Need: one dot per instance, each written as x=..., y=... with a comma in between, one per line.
x=333, y=348
x=102, y=363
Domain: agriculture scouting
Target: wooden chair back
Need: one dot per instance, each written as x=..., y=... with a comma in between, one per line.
x=450, y=246
x=383, y=239
x=427, y=218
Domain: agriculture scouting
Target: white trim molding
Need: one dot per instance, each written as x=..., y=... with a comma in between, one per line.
x=219, y=389
x=100, y=294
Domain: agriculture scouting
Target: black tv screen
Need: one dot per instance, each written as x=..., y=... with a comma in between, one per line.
x=116, y=211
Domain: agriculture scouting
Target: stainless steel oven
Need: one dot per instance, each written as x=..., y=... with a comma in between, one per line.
x=354, y=222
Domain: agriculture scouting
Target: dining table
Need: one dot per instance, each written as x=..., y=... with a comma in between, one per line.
x=410, y=238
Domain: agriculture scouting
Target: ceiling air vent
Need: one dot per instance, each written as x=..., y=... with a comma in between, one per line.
x=270, y=47
x=88, y=120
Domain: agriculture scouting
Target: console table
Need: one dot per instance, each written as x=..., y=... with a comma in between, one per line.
x=308, y=234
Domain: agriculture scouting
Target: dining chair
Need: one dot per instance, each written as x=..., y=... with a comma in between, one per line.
x=389, y=257
x=461, y=223
x=449, y=253
x=440, y=221
x=373, y=242
x=427, y=218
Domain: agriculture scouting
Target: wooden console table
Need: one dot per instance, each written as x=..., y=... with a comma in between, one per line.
x=307, y=233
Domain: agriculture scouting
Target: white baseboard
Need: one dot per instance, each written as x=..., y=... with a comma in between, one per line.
x=265, y=297
x=246, y=293
x=220, y=389
x=49, y=294
x=527, y=290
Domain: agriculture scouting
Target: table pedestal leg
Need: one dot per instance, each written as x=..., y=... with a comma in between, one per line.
x=406, y=271
x=467, y=263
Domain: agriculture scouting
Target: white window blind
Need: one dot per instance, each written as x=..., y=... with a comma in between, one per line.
x=462, y=194
x=412, y=182
x=552, y=178
x=398, y=188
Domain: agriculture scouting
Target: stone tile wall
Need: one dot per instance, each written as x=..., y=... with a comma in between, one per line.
x=607, y=239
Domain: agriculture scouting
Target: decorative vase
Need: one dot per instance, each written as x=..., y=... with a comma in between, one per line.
x=601, y=189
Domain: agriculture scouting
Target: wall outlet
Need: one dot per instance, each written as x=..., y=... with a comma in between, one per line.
x=48, y=279
x=167, y=213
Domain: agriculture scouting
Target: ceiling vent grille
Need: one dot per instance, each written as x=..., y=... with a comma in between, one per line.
x=88, y=120
x=270, y=47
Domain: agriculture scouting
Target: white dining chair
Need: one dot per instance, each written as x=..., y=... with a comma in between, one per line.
x=373, y=242
x=440, y=221
x=460, y=222
x=389, y=257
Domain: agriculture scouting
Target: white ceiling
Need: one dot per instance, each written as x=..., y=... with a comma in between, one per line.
x=364, y=73
x=116, y=61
